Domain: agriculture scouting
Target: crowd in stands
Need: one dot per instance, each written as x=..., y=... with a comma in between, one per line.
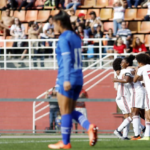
x=93, y=27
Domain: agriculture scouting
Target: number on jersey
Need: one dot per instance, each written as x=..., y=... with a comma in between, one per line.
x=148, y=72
x=78, y=58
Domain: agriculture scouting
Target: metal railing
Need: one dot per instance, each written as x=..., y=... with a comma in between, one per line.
x=49, y=59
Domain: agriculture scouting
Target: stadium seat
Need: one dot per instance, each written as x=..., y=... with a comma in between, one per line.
x=134, y=26
x=88, y=4
x=97, y=11
x=140, y=36
x=110, y=3
x=1, y=43
x=144, y=27
x=20, y=15
x=101, y=3
x=54, y=12
x=81, y=11
x=107, y=25
x=130, y=14
x=4, y=13
x=106, y=14
x=147, y=40
x=140, y=14
x=26, y=28
x=2, y=3
x=0, y=15
x=31, y=15
x=9, y=44
x=43, y=15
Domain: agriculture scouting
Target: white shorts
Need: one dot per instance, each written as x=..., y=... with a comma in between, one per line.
x=147, y=101
x=137, y=100
x=124, y=104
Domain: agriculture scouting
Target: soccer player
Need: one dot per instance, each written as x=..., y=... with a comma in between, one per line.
x=137, y=95
x=69, y=81
x=143, y=73
x=122, y=100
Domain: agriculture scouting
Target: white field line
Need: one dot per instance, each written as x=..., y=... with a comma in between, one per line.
x=47, y=141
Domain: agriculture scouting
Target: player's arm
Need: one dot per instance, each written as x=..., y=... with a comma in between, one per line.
x=127, y=79
x=138, y=75
x=66, y=55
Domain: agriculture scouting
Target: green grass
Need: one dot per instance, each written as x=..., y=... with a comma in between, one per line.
x=77, y=144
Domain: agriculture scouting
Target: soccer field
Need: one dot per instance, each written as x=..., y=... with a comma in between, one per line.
x=77, y=144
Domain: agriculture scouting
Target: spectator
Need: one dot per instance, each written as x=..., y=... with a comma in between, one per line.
x=81, y=20
x=17, y=31
x=147, y=17
x=73, y=26
x=45, y=34
x=119, y=10
x=57, y=2
x=6, y=23
x=80, y=32
x=93, y=23
x=110, y=42
x=58, y=121
x=81, y=107
x=119, y=46
x=33, y=33
x=73, y=17
x=54, y=108
x=125, y=34
x=133, y=2
x=97, y=34
x=73, y=4
x=10, y=4
x=138, y=46
x=28, y=4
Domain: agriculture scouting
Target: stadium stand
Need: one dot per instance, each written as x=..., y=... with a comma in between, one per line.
x=130, y=14
x=31, y=15
x=20, y=15
x=105, y=14
x=43, y=15
x=144, y=27
x=141, y=13
x=101, y=4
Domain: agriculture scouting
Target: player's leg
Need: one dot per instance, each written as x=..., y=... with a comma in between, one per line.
x=83, y=121
x=125, y=132
x=147, y=130
x=65, y=105
x=123, y=125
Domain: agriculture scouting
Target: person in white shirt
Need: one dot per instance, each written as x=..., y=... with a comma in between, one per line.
x=147, y=17
x=143, y=73
x=45, y=34
x=119, y=10
x=17, y=31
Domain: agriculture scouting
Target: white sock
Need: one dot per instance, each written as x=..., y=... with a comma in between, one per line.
x=124, y=124
x=147, y=131
x=126, y=131
x=141, y=126
x=136, y=125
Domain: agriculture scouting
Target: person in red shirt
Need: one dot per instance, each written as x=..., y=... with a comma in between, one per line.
x=138, y=46
x=119, y=46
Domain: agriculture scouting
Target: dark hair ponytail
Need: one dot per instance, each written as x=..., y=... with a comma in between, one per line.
x=64, y=18
x=130, y=59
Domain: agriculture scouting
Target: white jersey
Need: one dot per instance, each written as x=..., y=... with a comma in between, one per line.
x=145, y=72
x=123, y=88
x=137, y=92
x=123, y=95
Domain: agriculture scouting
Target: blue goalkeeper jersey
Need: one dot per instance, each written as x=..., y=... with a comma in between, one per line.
x=69, y=56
